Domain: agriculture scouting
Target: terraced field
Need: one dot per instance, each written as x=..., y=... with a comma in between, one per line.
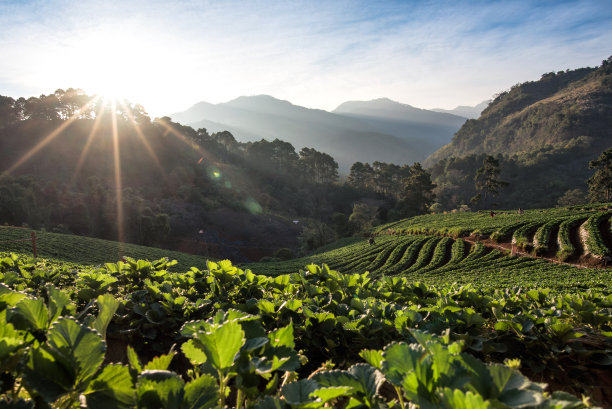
x=577, y=234
x=435, y=259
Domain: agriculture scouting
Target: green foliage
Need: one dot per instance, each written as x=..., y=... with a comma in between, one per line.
x=241, y=332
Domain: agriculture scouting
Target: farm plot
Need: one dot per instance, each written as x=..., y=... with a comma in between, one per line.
x=545, y=232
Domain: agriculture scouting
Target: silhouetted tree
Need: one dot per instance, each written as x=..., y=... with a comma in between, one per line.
x=486, y=183
x=600, y=184
x=318, y=167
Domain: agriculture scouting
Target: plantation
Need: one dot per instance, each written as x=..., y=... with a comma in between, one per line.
x=413, y=320
x=431, y=260
x=247, y=340
x=562, y=232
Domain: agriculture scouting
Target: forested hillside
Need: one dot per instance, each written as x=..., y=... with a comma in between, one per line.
x=543, y=135
x=552, y=111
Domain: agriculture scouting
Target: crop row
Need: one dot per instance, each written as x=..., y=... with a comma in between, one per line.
x=593, y=227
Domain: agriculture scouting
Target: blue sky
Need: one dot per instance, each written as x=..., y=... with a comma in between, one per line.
x=168, y=55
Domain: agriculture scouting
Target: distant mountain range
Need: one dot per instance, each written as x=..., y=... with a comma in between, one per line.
x=365, y=131
x=466, y=111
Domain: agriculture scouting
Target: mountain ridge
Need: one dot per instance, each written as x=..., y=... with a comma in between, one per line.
x=349, y=136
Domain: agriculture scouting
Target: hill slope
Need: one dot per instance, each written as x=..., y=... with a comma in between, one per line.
x=550, y=112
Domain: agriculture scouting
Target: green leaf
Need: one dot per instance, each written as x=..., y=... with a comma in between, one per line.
x=370, y=379
x=505, y=378
x=76, y=347
x=107, y=306
x=8, y=297
x=113, y=387
x=10, y=341
x=266, y=307
x=271, y=402
x=480, y=379
x=223, y=344
x=191, y=328
x=70, y=358
x=282, y=337
x=456, y=399
x=30, y=314
x=399, y=360
x=193, y=352
x=255, y=343
x=159, y=389
x=46, y=376
x=332, y=392
x=338, y=378
x=373, y=356
x=161, y=362
x=133, y=360
x=58, y=300
x=298, y=393
x=201, y=393
x=521, y=398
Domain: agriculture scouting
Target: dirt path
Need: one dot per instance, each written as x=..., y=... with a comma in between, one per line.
x=508, y=247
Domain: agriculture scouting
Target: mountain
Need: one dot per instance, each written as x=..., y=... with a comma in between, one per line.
x=404, y=135
x=466, y=111
x=552, y=111
x=428, y=128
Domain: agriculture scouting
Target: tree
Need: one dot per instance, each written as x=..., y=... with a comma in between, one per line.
x=361, y=175
x=318, y=167
x=572, y=197
x=600, y=184
x=417, y=195
x=486, y=183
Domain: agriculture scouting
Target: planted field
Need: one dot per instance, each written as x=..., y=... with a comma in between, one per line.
x=87, y=250
x=224, y=337
x=532, y=230
x=432, y=259
x=392, y=324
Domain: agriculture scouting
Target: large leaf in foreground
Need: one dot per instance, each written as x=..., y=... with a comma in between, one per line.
x=159, y=389
x=77, y=347
x=112, y=388
x=222, y=344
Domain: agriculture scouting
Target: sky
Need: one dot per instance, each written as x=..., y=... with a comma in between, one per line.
x=168, y=55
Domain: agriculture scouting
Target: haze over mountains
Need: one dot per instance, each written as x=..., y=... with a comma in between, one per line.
x=365, y=131
x=466, y=111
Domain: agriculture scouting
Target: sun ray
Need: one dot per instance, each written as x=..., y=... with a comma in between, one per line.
x=87, y=146
x=144, y=141
x=118, y=187
x=57, y=131
x=185, y=140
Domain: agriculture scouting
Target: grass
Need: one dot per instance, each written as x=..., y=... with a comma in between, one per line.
x=87, y=250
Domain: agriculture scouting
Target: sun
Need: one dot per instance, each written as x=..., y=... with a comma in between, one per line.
x=114, y=63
